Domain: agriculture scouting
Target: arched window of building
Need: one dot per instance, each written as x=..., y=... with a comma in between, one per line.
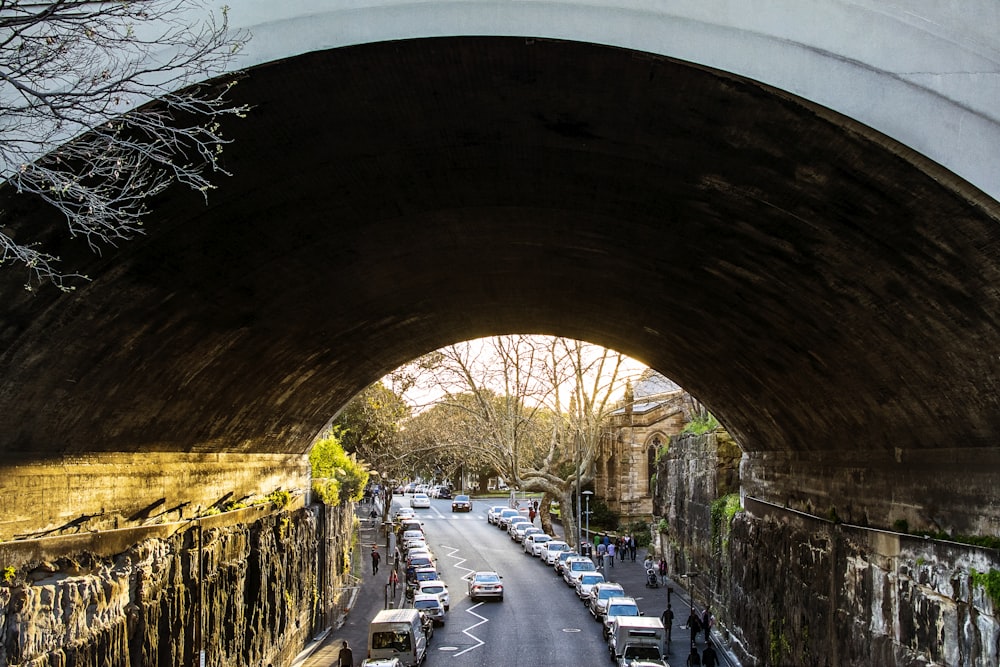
x=651, y=452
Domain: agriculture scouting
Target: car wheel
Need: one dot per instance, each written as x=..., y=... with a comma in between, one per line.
x=501, y=598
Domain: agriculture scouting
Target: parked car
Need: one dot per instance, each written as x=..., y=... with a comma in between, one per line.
x=445, y=493
x=403, y=513
x=461, y=503
x=420, y=500
x=531, y=531
x=574, y=567
x=518, y=530
x=485, y=584
x=618, y=607
x=436, y=587
x=515, y=522
x=493, y=513
x=505, y=516
x=552, y=550
x=410, y=488
x=430, y=606
x=587, y=581
x=599, y=596
x=420, y=559
x=533, y=544
x=561, y=558
x=382, y=662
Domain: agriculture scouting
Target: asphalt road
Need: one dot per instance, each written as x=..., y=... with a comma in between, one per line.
x=541, y=622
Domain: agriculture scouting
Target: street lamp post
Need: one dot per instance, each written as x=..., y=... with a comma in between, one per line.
x=586, y=512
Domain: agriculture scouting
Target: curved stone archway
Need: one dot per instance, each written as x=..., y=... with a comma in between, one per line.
x=830, y=295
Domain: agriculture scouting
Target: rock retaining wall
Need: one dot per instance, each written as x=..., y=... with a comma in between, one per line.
x=248, y=587
x=791, y=588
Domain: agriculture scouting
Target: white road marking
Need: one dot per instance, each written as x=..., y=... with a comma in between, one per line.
x=482, y=619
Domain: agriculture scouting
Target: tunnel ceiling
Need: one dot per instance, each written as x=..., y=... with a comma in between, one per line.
x=817, y=286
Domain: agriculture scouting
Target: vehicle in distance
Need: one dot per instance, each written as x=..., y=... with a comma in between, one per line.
x=552, y=550
x=533, y=544
x=518, y=529
x=505, y=516
x=420, y=500
x=493, y=513
x=461, y=503
x=485, y=584
x=430, y=606
x=561, y=558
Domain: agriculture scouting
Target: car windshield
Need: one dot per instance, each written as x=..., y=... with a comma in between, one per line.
x=488, y=578
x=591, y=578
x=606, y=593
x=582, y=566
x=623, y=610
x=426, y=604
x=461, y=499
x=426, y=576
x=643, y=652
x=538, y=539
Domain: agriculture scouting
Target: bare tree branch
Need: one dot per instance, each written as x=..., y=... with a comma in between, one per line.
x=101, y=108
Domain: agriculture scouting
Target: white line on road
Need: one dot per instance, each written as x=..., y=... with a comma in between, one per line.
x=482, y=619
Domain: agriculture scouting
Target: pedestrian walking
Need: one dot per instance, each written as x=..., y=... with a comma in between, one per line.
x=346, y=656
x=632, y=547
x=667, y=618
x=611, y=553
x=694, y=658
x=707, y=621
x=694, y=625
x=393, y=581
x=376, y=559
x=663, y=571
x=709, y=658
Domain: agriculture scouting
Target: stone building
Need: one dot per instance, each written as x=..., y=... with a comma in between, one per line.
x=652, y=411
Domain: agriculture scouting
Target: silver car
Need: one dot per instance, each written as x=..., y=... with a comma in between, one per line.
x=430, y=607
x=618, y=607
x=599, y=595
x=586, y=582
x=485, y=585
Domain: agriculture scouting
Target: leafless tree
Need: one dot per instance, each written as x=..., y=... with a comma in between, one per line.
x=532, y=407
x=101, y=108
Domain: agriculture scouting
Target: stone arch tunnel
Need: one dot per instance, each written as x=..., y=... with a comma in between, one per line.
x=830, y=294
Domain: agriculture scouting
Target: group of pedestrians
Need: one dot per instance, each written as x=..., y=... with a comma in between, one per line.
x=696, y=625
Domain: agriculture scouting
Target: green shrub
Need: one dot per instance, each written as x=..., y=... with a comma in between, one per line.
x=701, y=424
x=8, y=574
x=337, y=477
x=990, y=582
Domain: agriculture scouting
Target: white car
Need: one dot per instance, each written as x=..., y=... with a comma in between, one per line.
x=420, y=500
x=618, y=607
x=574, y=567
x=438, y=588
x=494, y=512
x=552, y=550
x=404, y=513
x=534, y=544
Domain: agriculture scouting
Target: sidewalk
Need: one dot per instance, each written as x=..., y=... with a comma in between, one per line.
x=366, y=601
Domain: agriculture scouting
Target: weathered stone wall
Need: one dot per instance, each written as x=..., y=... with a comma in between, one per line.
x=790, y=588
x=108, y=491
x=249, y=587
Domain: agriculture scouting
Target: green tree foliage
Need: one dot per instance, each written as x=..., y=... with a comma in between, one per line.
x=369, y=428
x=337, y=477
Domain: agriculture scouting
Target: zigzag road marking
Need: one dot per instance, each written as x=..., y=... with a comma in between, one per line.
x=482, y=619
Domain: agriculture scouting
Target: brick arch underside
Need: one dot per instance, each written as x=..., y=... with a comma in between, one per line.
x=821, y=289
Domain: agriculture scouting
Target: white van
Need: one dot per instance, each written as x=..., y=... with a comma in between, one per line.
x=398, y=633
